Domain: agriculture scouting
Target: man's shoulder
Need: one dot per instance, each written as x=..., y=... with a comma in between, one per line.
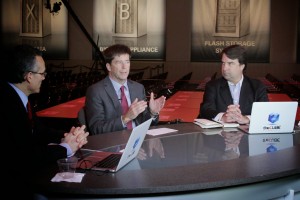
x=6, y=89
x=134, y=83
x=97, y=87
x=3, y=83
x=218, y=81
x=100, y=83
x=254, y=81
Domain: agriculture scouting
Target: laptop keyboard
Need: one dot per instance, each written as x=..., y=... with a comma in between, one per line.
x=109, y=162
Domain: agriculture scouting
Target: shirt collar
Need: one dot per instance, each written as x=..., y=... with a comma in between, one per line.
x=117, y=85
x=238, y=83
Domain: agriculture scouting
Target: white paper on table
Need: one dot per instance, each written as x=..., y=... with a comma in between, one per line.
x=160, y=131
x=77, y=178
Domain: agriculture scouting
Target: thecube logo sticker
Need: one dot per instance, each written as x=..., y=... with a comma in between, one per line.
x=133, y=147
x=271, y=148
x=273, y=117
x=136, y=143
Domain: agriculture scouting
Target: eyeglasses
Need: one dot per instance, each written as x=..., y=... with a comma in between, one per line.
x=42, y=74
x=120, y=62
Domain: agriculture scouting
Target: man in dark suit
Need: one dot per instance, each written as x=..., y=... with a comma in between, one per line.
x=230, y=98
x=28, y=146
x=103, y=99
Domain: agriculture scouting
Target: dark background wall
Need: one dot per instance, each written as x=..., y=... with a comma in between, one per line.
x=283, y=45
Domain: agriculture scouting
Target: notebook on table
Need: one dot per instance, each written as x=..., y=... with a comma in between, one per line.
x=114, y=161
x=272, y=117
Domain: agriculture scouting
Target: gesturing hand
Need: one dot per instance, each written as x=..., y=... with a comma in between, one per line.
x=134, y=110
x=156, y=104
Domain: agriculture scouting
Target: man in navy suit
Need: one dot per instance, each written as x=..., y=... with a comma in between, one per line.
x=230, y=98
x=27, y=145
x=103, y=99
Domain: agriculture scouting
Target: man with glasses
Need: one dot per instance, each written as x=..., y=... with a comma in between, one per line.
x=27, y=144
x=44, y=74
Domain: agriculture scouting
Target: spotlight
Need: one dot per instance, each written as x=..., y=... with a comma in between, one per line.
x=53, y=9
x=56, y=7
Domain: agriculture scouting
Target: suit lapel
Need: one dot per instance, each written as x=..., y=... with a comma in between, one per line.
x=225, y=92
x=110, y=90
x=131, y=90
x=245, y=91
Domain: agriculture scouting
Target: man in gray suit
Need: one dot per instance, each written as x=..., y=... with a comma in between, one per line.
x=103, y=99
x=230, y=98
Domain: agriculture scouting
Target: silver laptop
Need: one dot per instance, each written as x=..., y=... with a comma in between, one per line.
x=272, y=117
x=113, y=161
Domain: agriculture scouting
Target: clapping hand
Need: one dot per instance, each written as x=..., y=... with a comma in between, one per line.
x=136, y=108
x=156, y=104
x=233, y=114
x=76, y=138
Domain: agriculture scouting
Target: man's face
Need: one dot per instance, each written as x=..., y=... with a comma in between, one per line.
x=37, y=76
x=119, y=68
x=232, y=70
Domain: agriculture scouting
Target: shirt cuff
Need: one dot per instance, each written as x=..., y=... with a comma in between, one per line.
x=218, y=117
x=249, y=117
x=69, y=150
x=153, y=115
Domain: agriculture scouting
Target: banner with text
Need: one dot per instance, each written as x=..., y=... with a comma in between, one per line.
x=221, y=23
x=42, y=24
x=139, y=24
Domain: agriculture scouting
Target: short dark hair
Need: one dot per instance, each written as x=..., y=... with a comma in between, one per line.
x=236, y=52
x=19, y=61
x=117, y=49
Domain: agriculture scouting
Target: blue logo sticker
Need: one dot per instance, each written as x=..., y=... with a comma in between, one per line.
x=136, y=142
x=271, y=148
x=273, y=117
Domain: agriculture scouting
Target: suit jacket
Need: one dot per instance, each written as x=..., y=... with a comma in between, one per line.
x=103, y=109
x=25, y=150
x=217, y=96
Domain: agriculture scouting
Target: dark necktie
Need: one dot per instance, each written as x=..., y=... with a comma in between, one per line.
x=29, y=112
x=124, y=105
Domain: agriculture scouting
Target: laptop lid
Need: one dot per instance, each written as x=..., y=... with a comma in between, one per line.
x=134, y=143
x=131, y=150
x=272, y=117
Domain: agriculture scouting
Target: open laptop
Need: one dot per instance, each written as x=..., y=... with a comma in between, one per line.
x=113, y=161
x=272, y=117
